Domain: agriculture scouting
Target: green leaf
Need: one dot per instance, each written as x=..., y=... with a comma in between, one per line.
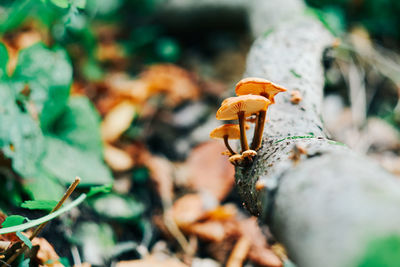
x=61, y=3
x=92, y=70
x=167, y=49
x=44, y=186
x=103, y=7
x=65, y=161
x=13, y=220
x=14, y=192
x=16, y=15
x=24, y=239
x=99, y=189
x=80, y=3
x=117, y=207
x=33, y=223
x=24, y=263
x=48, y=73
x=20, y=137
x=39, y=204
x=79, y=125
x=3, y=61
x=64, y=261
x=140, y=175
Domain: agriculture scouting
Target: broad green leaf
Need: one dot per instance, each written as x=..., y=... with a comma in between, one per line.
x=44, y=186
x=13, y=220
x=99, y=189
x=65, y=161
x=3, y=61
x=20, y=137
x=61, y=3
x=39, y=204
x=48, y=73
x=79, y=125
x=24, y=239
x=117, y=207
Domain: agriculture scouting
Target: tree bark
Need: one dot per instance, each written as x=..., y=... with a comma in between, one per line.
x=329, y=206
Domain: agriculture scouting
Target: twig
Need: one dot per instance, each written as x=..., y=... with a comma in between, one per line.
x=38, y=229
x=173, y=227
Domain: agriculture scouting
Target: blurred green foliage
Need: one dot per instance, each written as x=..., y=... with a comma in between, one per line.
x=382, y=252
x=49, y=136
x=59, y=138
x=380, y=17
x=75, y=24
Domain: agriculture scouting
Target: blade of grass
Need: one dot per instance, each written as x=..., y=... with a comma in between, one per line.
x=43, y=219
x=44, y=222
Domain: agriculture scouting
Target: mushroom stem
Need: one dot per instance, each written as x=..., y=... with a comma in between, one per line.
x=243, y=138
x=228, y=146
x=258, y=130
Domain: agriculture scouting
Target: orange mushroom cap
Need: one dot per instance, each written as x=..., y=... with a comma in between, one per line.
x=248, y=103
x=232, y=130
x=258, y=86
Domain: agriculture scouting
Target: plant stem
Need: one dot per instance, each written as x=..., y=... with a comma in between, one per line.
x=258, y=130
x=243, y=137
x=69, y=191
x=228, y=146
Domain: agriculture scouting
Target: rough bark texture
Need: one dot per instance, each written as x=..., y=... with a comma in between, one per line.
x=330, y=205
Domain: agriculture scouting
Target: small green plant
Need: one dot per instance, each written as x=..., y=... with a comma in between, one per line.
x=16, y=223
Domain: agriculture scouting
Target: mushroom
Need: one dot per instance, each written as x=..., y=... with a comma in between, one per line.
x=262, y=87
x=258, y=86
x=235, y=159
x=260, y=185
x=227, y=131
x=295, y=97
x=238, y=108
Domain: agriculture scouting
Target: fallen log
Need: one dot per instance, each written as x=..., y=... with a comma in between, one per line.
x=328, y=205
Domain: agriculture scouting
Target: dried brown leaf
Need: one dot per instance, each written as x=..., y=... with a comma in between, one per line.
x=161, y=173
x=117, y=121
x=177, y=83
x=122, y=85
x=117, y=159
x=239, y=253
x=259, y=253
x=209, y=171
x=213, y=231
x=46, y=253
x=221, y=213
x=188, y=209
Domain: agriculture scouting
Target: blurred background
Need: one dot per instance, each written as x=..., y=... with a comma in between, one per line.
x=124, y=92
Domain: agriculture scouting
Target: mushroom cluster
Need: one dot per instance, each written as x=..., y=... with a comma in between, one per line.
x=254, y=95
